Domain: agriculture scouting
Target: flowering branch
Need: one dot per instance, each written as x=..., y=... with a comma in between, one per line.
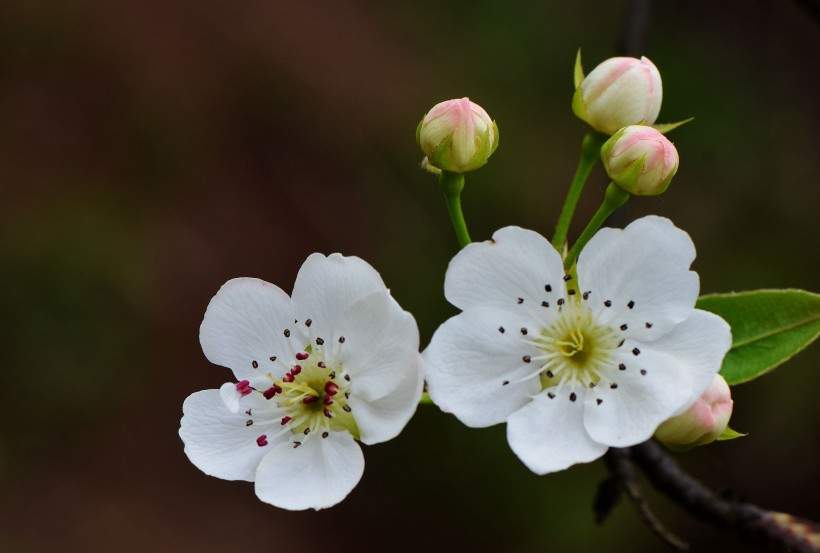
x=748, y=521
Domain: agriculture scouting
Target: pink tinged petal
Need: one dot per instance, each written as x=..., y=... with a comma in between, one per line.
x=548, y=434
x=603, y=75
x=221, y=443
x=326, y=287
x=476, y=367
x=518, y=270
x=318, y=474
x=643, y=272
x=244, y=327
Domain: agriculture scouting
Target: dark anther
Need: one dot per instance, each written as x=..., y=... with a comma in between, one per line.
x=631, y=304
x=347, y=377
x=308, y=322
x=501, y=329
x=560, y=301
x=636, y=351
x=325, y=434
x=643, y=371
x=608, y=303
x=341, y=339
x=571, y=291
x=573, y=397
x=613, y=385
x=320, y=341
x=254, y=364
x=296, y=444
x=273, y=358
x=648, y=325
x=621, y=343
x=505, y=382
x=623, y=326
x=520, y=301
x=567, y=278
x=287, y=333
x=548, y=288
x=599, y=401
x=551, y=395
x=307, y=431
x=526, y=359
x=523, y=331
x=248, y=422
x=549, y=374
x=545, y=304
x=347, y=408
x=621, y=366
x=585, y=295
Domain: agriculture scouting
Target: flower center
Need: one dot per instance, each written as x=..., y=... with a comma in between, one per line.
x=576, y=347
x=314, y=396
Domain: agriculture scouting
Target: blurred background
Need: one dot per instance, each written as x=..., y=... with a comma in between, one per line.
x=149, y=152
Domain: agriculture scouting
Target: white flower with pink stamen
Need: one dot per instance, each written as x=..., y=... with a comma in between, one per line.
x=575, y=364
x=335, y=363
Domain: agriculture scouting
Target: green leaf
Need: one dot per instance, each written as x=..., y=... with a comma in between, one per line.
x=769, y=327
x=729, y=434
x=664, y=128
x=578, y=75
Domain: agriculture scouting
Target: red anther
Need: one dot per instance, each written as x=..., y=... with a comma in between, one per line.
x=328, y=400
x=331, y=388
x=277, y=389
x=302, y=355
x=328, y=414
x=272, y=391
x=310, y=399
x=322, y=365
x=243, y=387
x=295, y=370
x=288, y=377
x=262, y=440
x=286, y=419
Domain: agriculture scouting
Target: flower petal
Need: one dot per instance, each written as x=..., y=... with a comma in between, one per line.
x=244, y=325
x=639, y=276
x=380, y=345
x=512, y=271
x=475, y=365
x=220, y=443
x=316, y=475
x=661, y=381
x=383, y=418
x=327, y=286
x=548, y=434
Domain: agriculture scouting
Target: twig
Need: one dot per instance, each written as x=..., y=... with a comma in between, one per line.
x=747, y=520
x=619, y=464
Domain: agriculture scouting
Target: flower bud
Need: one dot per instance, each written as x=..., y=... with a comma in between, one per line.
x=640, y=160
x=618, y=93
x=457, y=136
x=703, y=422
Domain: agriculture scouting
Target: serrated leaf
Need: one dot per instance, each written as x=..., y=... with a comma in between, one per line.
x=664, y=128
x=768, y=328
x=578, y=74
x=729, y=434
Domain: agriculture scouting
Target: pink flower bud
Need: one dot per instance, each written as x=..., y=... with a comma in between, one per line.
x=640, y=160
x=618, y=93
x=457, y=136
x=703, y=422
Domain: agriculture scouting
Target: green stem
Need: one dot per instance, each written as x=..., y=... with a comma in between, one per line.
x=590, y=152
x=614, y=198
x=453, y=184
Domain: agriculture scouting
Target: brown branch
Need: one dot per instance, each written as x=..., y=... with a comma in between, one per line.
x=747, y=520
x=620, y=466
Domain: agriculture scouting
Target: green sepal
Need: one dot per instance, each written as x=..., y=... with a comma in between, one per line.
x=578, y=72
x=425, y=399
x=664, y=128
x=729, y=434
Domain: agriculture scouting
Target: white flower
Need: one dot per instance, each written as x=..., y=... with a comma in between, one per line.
x=335, y=363
x=575, y=365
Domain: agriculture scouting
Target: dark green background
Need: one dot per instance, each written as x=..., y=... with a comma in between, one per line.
x=148, y=153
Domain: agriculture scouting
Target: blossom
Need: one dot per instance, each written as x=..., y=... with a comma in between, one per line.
x=703, y=422
x=457, y=135
x=619, y=92
x=574, y=363
x=334, y=363
x=640, y=160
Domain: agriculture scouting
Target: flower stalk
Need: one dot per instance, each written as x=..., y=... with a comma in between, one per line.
x=453, y=184
x=614, y=198
x=590, y=152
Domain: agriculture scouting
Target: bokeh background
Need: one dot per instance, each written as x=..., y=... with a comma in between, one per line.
x=151, y=151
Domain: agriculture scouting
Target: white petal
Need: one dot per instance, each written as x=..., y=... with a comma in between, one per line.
x=245, y=323
x=699, y=343
x=647, y=263
x=316, y=475
x=548, y=434
x=469, y=360
x=517, y=264
x=219, y=443
x=382, y=419
x=679, y=367
x=381, y=343
x=230, y=396
x=327, y=286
